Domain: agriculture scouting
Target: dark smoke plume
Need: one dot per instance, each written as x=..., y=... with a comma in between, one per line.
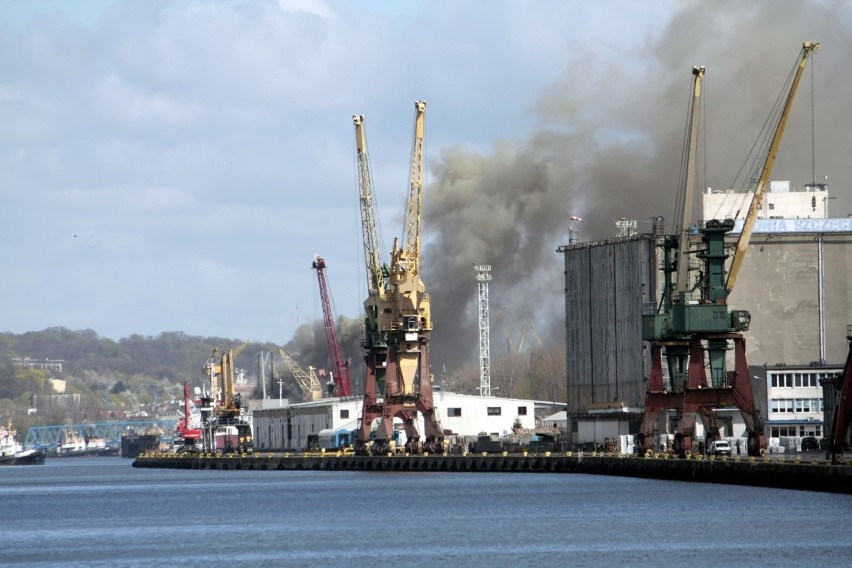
x=610, y=145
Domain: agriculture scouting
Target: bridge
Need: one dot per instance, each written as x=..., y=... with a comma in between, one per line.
x=110, y=432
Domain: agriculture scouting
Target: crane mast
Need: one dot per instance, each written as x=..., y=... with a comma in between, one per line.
x=808, y=47
x=339, y=367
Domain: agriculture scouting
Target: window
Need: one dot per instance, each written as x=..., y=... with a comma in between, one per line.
x=454, y=412
x=344, y=413
x=494, y=411
x=522, y=411
x=788, y=405
x=771, y=206
x=779, y=431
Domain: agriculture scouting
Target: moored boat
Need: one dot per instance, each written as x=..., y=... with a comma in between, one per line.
x=13, y=453
x=74, y=444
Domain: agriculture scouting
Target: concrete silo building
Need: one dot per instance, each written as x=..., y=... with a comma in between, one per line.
x=796, y=282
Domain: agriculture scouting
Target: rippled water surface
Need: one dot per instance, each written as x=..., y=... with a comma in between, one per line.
x=103, y=512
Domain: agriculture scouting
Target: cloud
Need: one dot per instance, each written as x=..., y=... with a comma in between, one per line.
x=204, y=152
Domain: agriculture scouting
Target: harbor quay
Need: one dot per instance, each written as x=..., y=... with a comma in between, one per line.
x=807, y=475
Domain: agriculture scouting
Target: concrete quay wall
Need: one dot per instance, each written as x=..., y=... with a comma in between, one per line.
x=814, y=475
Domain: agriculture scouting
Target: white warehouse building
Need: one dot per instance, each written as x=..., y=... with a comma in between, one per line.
x=298, y=427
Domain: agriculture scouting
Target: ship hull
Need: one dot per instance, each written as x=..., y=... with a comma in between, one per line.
x=27, y=457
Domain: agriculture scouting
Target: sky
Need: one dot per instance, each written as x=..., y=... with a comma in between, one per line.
x=176, y=165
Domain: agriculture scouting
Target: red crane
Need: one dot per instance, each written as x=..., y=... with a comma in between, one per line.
x=340, y=369
x=185, y=429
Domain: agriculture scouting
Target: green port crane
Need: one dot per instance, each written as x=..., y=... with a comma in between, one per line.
x=694, y=321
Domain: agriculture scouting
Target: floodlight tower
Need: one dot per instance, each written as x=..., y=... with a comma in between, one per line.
x=483, y=275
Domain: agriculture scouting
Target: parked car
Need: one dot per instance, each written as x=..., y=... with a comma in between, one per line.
x=719, y=448
x=810, y=443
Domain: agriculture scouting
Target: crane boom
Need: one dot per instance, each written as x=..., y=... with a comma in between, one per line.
x=339, y=367
x=307, y=381
x=369, y=217
x=415, y=196
x=808, y=47
x=689, y=189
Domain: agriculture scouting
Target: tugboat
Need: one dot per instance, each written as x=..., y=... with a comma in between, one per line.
x=13, y=453
x=74, y=443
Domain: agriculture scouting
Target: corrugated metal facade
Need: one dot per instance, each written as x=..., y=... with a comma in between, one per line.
x=269, y=429
x=606, y=284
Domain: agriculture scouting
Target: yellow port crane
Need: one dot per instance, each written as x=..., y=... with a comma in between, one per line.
x=374, y=339
x=225, y=430
x=307, y=380
x=220, y=370
x=404, y=319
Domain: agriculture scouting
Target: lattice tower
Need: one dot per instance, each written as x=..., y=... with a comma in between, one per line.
x=483, y=276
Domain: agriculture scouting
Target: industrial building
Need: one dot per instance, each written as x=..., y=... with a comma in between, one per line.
x=796, y=282
x=298, y=427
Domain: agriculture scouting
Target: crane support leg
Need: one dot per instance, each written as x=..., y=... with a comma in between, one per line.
x=657, y=399
x=370, y=410
x=744, y=399
x=843, y=411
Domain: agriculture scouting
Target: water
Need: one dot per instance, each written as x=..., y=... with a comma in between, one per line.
x=103, y=512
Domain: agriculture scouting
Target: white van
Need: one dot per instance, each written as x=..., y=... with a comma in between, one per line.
x=719, y=448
